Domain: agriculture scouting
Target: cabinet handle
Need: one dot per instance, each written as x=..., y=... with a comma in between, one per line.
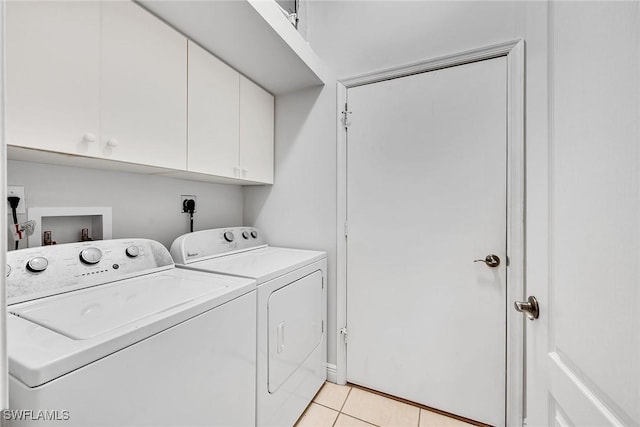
x=244, y=172
x=236, y=171
x=112, y=143
x=88, y=137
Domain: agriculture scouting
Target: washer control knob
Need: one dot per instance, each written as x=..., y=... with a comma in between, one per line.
x=245, y=234
x=91, y=255
x=254, y=234
x=132, y=251
x=228, y=236
x=8, y=270
x=37, y=264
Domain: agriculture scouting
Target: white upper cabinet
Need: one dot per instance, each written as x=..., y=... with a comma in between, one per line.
x=143, y=88
x=53, y=60
x=230, y=121
x=256, y=132
x=213, y=115
x=112, y=83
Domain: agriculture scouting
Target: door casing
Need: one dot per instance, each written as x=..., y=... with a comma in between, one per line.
x=514, y=53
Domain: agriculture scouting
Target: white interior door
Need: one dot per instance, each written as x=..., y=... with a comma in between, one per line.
x=583, y=353
x=426, y=196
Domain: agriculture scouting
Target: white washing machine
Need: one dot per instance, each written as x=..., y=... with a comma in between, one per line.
x=110, y=333
x=291, y=313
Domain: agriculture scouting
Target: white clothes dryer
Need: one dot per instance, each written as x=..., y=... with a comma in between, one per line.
x=291, y=313
x=110, y=333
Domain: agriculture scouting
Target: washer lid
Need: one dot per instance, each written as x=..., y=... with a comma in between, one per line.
x=50, y=337
x=86, y=314
x=261, y=264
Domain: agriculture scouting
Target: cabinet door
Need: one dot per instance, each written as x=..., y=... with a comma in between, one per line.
x=52, y=69
x=256, y=132
x=213, y=115
x=143, y=88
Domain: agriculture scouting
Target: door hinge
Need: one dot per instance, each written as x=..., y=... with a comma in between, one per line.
x=345, y=116
x=344, y=334
x=524, y=422
x=346, y=229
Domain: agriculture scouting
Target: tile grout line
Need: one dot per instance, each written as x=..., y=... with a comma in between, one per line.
x=340, y=411
x=429, y=409
x=360, y=419
x=349, y=415
x=342, y=406
x=325, y=406
x=345, y=399
x=336, y=420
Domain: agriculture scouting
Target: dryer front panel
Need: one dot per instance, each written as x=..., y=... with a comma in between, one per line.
x=295, y=327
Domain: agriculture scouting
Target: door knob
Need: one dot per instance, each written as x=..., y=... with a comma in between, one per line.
x=530, y=307
x=491, y=260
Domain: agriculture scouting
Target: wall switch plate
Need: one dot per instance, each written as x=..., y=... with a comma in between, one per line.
x=187, y=197
x=17, y=190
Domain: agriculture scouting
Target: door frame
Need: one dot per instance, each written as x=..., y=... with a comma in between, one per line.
x=4, y=363
x=515, y=239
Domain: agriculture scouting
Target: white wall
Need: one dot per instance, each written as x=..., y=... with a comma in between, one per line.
x=142, y=205
x=355, y=37
x=299, y=210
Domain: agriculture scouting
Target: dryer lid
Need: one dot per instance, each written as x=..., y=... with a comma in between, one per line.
x=261, y=264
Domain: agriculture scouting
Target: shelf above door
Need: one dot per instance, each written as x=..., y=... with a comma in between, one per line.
x=252, y=36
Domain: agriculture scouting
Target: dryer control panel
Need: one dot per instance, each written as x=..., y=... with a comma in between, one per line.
x=216, y=242
x=48, y=270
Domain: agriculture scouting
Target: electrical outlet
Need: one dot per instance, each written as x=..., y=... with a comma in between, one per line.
x=17, y=190
x=187, y=197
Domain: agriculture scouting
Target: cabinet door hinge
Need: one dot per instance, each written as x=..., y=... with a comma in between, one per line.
x=344, y=334
x=346, y=229
x=345, y=116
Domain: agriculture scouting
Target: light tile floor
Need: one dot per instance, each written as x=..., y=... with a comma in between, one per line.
x=346, y=406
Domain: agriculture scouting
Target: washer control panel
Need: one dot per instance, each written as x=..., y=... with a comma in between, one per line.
x=205, y=244
x=48, y=270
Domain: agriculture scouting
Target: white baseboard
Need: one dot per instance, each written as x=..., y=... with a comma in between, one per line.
x=331, y=373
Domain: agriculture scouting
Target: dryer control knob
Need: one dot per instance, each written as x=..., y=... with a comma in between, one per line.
x=132, y=251
x=245, y=234
x=37, y=264
x=228, y=236
x=254, y=234
x=91, y=255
